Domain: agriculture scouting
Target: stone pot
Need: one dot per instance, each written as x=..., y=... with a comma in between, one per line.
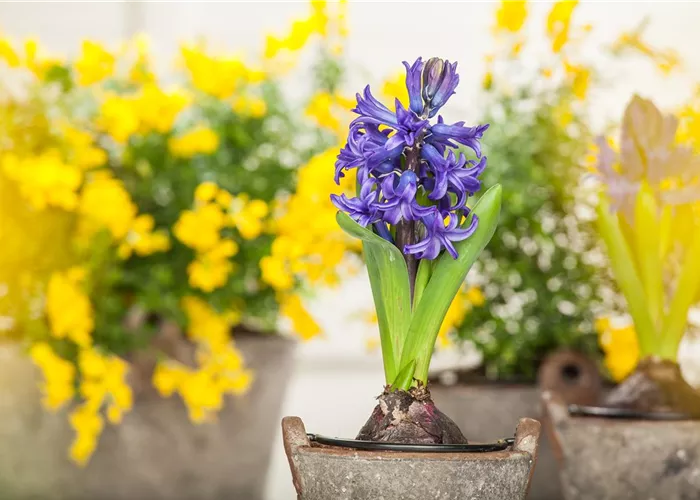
x=487, y=409
x=156, y=452
x=610, y=458
x=328, y=472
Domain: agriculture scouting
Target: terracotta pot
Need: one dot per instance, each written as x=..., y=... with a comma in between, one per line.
x=487, y=409
x=328, y=472
x=156, y=452
x=608, y=458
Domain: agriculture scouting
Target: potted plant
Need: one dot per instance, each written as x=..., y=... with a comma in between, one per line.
x=419, y=238
x=643, y=440
x=153, y=302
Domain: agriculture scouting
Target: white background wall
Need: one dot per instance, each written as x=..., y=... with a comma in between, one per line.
x=327, y=390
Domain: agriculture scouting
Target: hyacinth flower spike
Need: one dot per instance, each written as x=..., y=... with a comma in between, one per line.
x=420, y=236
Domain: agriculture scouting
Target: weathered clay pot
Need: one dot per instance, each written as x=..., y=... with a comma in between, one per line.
x=327, y=472
x=156, y=452
x=487, y=410
x=616, y=459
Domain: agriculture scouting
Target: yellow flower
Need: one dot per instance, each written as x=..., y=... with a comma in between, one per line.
x=94, y=64
x=88, y=425
x=207, y=273
x=303, y=323
x=220, y=369
x=142, y=240
x=247, y=216
x=579, y=77
x=157, y=109
x=558, y=23
x=325, y=107
x=275, y=273
x=199, y=229
x=249, y=106
x=206, y=191
x=103, y=383
x=105, y=203
x=621, y=348
x=82, y=151
x=475, y=296
x=68, y=308
x=666, y=60
x=59, y=376
x=218, y=76
x=45, y=180
x=201, y=140
x=35, y=61
x=8, y=53
x=118, y=118
x=140, y=72
x=511, y=15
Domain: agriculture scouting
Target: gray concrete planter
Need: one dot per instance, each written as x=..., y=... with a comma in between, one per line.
x=327, y=472
x=488, y=410
x=156, y=452
x=609, y=458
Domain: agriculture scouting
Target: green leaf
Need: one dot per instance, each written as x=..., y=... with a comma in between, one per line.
x=447, y=277
x=425, y=270
x=388, y=276
x=686, y=292
x=622, y=264
x=648, y=249
x=404, y=379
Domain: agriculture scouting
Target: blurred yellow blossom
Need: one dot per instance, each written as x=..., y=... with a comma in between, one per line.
x=36, y=61
x=220, y=369
x=103, y=384
x=142, y=239
x=392, y=88
x=559, y=23
x=303, y=324
x=206, y=191
x=308, y=242
x=621, y=348
x=210, y=270
x=82, y=151
x=580, y=79
x=219, y=76
x=58, y=387
x=118, y=118
x=94, y=64
x=140, y=72
x=249, y=106
x=44, y=180
x=511, y=15
x=329, y=110
x=247, y=216
x=68, y=307
x=200, y=140
x=105, y=203
x=157, y=109
x=666, y=60
x=8, y=53
x=199, y=228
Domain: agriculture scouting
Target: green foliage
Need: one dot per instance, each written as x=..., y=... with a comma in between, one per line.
x=538, y=275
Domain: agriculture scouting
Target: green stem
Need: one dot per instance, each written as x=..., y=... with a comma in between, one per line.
x=622, y=263
x=683, y=298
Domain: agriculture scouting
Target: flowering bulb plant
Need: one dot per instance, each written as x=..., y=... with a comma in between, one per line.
x=419, y=235
x=160, y=207
x=648, y=218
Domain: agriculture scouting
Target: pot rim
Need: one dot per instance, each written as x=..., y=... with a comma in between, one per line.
x=625, y=414
x=356, y=444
